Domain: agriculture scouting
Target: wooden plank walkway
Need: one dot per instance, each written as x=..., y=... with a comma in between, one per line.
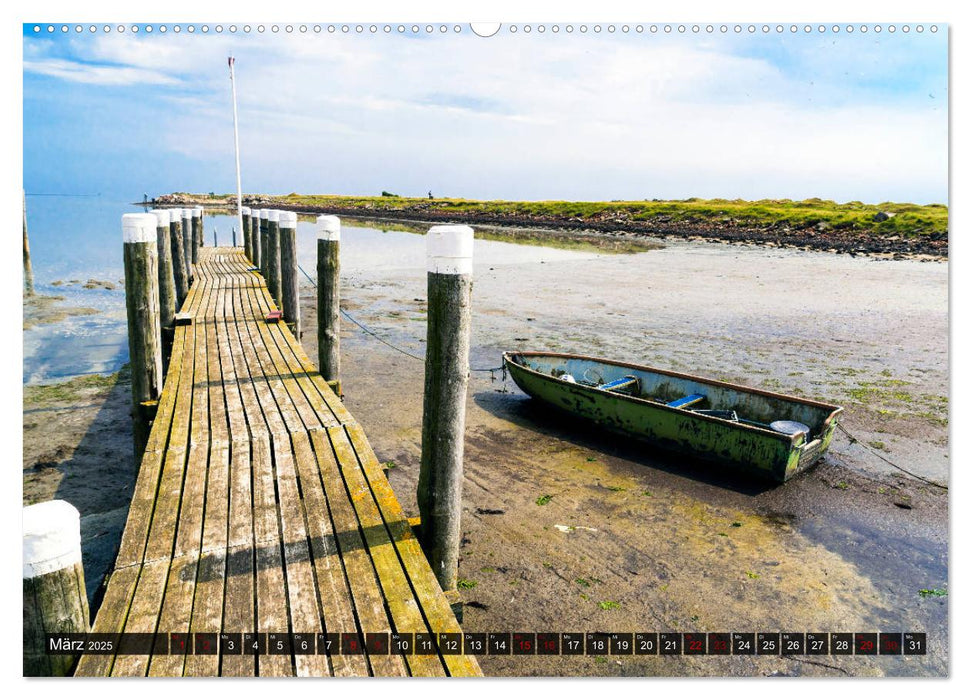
x=261, y=507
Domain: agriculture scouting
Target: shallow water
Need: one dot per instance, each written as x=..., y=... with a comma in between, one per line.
x=79, y=238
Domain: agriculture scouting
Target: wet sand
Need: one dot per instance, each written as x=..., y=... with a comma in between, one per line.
x=675, y=544
x=633, y=540
x=78, y=448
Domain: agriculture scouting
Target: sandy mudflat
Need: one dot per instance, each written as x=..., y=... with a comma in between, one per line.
x=676, y=545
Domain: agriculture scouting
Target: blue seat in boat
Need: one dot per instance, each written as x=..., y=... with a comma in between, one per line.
x=687, y=401
x=628, y=382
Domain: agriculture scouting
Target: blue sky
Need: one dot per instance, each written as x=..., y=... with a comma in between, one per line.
x=515, y=116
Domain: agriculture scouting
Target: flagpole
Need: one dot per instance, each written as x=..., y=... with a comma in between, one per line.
x=239, y=187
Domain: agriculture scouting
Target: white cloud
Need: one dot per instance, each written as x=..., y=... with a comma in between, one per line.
x=91, y=74
x=519, y=116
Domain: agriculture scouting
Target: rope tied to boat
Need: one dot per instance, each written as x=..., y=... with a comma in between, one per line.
x=491, y=370
x=855, y=441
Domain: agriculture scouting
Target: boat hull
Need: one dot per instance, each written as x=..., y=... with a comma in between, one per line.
x=756, y=451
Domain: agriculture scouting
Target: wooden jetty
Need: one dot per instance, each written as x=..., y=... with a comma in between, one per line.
x=260, y=507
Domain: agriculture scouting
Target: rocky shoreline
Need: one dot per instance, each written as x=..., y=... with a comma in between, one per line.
x=820, y=237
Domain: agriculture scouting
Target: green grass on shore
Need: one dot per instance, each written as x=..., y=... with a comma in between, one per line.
x=906, y=219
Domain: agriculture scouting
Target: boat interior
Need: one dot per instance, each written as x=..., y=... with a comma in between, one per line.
x=717, y=400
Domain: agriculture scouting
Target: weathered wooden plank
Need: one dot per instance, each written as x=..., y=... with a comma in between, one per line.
x=239, y=610
x=111, y=618
x=241, y=495
x=210, y=582
x=422, y=578
x=271, y=609
x=271, y=599
x=207, y=610
x=327, y=405
x=151, y=497
x=159, y=436
x=176, y=614
x=267, y=386
x=362, y=575
x=301, y=586
x=165, y=518
x=192, y=510
x=294, y=407
x=335, y=601
x=143, y=615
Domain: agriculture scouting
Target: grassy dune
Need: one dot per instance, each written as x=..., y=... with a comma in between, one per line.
x=906, y=220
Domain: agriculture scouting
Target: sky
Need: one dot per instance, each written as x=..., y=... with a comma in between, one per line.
x=577, y=116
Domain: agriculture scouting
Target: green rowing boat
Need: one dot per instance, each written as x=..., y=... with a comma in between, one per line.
x=768, y=435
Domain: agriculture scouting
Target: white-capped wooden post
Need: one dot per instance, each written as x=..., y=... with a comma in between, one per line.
x=245, y=214
x=197, y=234
x=144, y=327
x=264, y=242
x=446, y=380
x=180, y=270
x=187, y=242
x=256, y=238
x=215, y=237
x=289, y=281
x=329, y=300
x=166, y=282
x=55, y=599
x=273, y=254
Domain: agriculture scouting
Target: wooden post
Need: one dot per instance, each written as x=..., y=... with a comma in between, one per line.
x=273, y=252
x=289, y=281
x=28, y=268
x=215, y=237
x=446, y=380
x=179, y=269
x=264, y=240
x=166, y=283
x=187, y=242
x=197, y=234
x=55, y=599
x=247, y=234
x=144, y=328
x=234, y=235
x=329, y=298
x=256, y=238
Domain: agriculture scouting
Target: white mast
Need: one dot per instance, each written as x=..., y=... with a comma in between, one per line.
x=239, y=187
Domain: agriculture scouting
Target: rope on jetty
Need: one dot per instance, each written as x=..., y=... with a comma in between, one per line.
x=855, y=441
x=373, y=334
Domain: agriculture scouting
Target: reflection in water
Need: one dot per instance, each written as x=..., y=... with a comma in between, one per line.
x=78, y=241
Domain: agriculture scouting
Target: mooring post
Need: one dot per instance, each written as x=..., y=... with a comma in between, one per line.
x=166, y=283
x=329, y=299
x=55, y=599
x=28, y=268
x=273, y=253
x=187, y=242
x=234, y=235
x=197, y=234
x=449, y=250
x=215, y=237
x=256, y=238
x=289, y=282
x=144, y=328
x=264, y=242
x=179, y=269
x=247, y=234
